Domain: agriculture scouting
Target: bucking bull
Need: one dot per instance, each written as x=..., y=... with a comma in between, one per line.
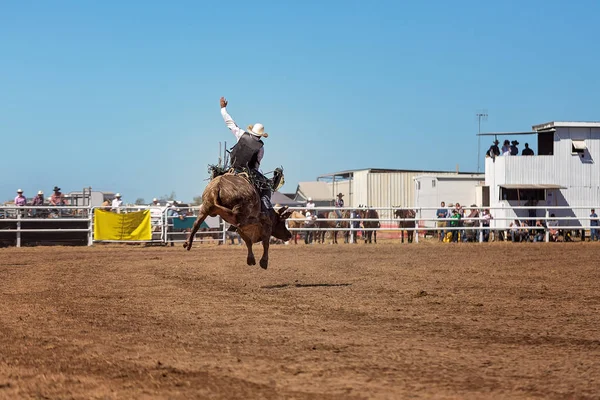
x=235, y=200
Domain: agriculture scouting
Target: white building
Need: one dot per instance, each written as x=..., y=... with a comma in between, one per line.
x=432, y=189
x=565, y=172
x=379, y=187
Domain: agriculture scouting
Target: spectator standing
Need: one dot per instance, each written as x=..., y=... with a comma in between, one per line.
x=514, y=150
x=309, y=223
x=20, y=200
x=594, y=224
x=539, y=231
x=454, y=223
x=506, y=148
x=38, y=200
x=494, y=150
x=117, y=203
x=57, y=198
x=310, y=205
x=527, y=151
x=487, y=217
x=553, y=227
x=339, y=203
x=442, y=213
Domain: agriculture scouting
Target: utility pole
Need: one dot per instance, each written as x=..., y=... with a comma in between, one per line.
x=480, y=116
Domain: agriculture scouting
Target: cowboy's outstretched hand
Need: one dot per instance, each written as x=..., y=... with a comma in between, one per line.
x=223, y=102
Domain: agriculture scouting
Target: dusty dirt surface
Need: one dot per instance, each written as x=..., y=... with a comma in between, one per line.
x=427, y=320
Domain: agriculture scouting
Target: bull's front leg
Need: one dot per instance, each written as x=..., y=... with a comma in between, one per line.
x=264, y=261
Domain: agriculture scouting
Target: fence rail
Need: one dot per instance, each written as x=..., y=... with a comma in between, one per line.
x=18, y=222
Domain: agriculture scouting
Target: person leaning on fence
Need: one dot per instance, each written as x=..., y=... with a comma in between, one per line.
x=57, y=198
x=506, y=148
x=487, y=217
x=539, y=231
x=454, y=223
x=442, y=213
x=494, y=150
x=339, y=203
x=117, y=203
x=527, y=151
x=20, y=200
x=594, y=226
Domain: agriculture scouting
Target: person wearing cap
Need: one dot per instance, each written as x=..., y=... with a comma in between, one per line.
x=117, y=203
x=527, y=151
x=310, y=205
x=38, y=200
x=594, y=224
x=339, y=203
x=494, y=150
x=20, y=200
x=155, y=202
x=514, y=151
x=156, y=212
x=57, y=198
x=248, y=153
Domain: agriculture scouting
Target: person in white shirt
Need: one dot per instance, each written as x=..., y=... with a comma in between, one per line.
x=310, y=205
x=309, y=223
x=117, y=203
x=156, y=214
x=248, y=153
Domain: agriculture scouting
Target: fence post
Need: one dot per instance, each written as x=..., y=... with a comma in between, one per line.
x=224, y=231
x=90, y=226
x=417, y=226
x=547, y=230
x=18, y=228
x=480, y=230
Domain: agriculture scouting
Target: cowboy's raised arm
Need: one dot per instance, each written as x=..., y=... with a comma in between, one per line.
x=237, y=131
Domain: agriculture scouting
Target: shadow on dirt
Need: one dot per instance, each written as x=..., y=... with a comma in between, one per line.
x=304, y=285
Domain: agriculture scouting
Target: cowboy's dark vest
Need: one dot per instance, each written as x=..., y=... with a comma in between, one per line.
x=245, y=153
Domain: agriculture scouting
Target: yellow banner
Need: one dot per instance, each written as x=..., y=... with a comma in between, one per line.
x=131, y=226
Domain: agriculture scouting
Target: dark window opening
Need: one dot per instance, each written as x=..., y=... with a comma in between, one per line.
x=545, y=143
x=523, y=194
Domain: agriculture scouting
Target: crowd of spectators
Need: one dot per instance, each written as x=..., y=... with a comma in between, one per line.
x=509, y=148
x=453, y=226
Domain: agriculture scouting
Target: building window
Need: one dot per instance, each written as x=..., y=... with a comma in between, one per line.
x=522, y=194
x=433, y=183
x=577, y=146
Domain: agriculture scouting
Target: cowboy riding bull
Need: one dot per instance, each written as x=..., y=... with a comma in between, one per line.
x=246, y=206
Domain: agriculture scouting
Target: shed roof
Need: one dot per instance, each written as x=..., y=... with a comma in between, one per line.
x=283, y=200
x=566, y=124
x=318, y=191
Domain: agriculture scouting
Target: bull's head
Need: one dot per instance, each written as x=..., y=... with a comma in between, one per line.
x=278, y=229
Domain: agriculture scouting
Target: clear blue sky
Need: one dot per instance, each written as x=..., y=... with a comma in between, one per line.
x=123, y=95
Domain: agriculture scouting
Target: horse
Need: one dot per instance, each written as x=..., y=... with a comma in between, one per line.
x=322, y=225
x=299, y=223
x=332, y=216
x=370, y=235
x=402, y=224
x=236, y=200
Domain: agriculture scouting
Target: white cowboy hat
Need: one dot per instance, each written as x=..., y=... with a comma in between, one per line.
x=20, y=191
x=257, y=130
x=118, y=195
x=309, y=199
x=40, y=192
x=155, y=199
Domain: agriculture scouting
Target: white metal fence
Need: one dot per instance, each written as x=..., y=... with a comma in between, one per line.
x=19, y=223
x=50, y=224
x=423, y=225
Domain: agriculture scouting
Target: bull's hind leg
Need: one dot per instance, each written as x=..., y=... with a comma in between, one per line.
x=202, y=214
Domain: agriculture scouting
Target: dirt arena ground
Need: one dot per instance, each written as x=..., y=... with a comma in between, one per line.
x=427, y=320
